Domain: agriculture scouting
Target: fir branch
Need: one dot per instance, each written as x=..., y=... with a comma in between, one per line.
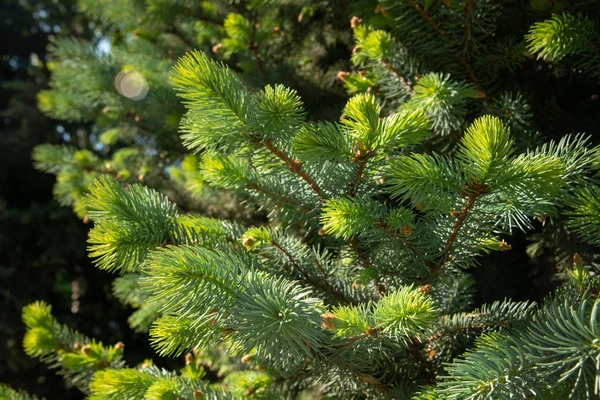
x=254, y=49
x=386, y=63
x=474, y=191
x=294, y=165
x=390, y=231
x=362, y=158
x=318, y=284
x=427, y=17
x=464, y=59
x=415, y=348
x=281, y=198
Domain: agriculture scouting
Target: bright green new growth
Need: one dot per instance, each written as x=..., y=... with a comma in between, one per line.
x=561, y=36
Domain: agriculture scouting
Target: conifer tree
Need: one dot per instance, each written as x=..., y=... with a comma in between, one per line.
x=359, y=285
x=380, y=301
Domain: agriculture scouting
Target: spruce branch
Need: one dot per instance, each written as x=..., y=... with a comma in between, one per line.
x=293, y=165
x=322, y=284
x=254, y=49
x=386, y=63
x=427, y=17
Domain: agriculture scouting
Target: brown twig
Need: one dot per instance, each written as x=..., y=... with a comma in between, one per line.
x=372, y=331
x=294, y=165
x=427, y=17
x=414, y=347
x=362, y=159
x=323, y=285
x=388, y=229
x=401, y=78
x=473, y=192
x=254, y=49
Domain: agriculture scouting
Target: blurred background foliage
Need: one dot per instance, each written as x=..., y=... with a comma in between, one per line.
x=43, y=245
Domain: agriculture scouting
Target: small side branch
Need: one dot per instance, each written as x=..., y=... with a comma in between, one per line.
x=362, y=158
x=427, y=17
x=254, y=49
x=294, y=166
x=320, y=284
x=386, y=63
x=281, y=198
x=473, y=192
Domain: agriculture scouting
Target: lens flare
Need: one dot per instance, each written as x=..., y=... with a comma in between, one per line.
x=131, y=84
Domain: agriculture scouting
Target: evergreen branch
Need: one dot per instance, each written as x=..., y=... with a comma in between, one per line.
x=386, y=63
x=366, y=263
x=390, y=231
x=474, y=192
x=370, y=332
x=259, y=61
x=415, y=348
x=427, y=17
x=294, y=165
x=468, y=26
x=464, y=59
x=362, y=159
x=464, y=213
x=323, y=284
x=282, y=198
x=471, y=73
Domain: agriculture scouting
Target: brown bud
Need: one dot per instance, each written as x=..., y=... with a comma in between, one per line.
x=381, y=181
x=329, y=321
x=355, y=50
x=120, y=345
x=248, y=241
x=455, y=213
x=354, y=22
x=363, y=74
x=380, y=10
x=106, y=110
x=217, y=47
x=146, y=365
x=189, y=358
x=300, y=17
x=406, y=230
x=343, y=75
x=276, y=29
x=141, y=177
x=109, y=167
x=86, y=219
x=577, y=261
x=297, y=161
x=250, y=391
x=504, y=246
x=77, y=346
x=425, y=289
x=137, y=118
x=322, y=232
x=86, y=350
x=542, y=217
x=355, y=286
x=198, y=394
x=430, y=354
x=247, y=358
